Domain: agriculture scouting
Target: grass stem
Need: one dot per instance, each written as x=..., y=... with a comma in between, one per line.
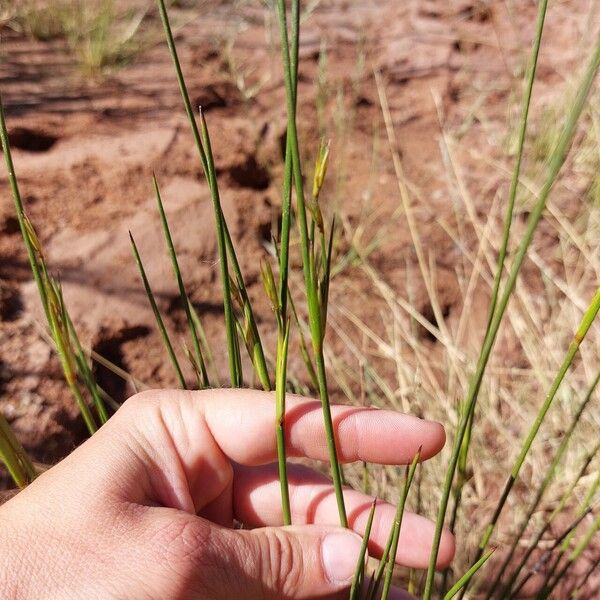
x=314, y=309
x=159, y=321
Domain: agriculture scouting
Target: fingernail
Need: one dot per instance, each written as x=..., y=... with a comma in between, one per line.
x=340, y=552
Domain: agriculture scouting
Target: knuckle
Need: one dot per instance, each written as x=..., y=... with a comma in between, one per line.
x=189, y=555
x=281, y=564
x=138, y=402
x=181, y=540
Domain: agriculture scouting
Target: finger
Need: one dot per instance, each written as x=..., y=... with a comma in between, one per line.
x=300, y=562
x=257, y=503
x=185, y=440
x=262, y=564
x=242, y=423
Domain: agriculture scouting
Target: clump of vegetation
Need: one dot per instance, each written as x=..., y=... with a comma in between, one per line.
x=100, y=35
x=315, y=234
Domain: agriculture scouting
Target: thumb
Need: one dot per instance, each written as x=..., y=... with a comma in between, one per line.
x=295, y=562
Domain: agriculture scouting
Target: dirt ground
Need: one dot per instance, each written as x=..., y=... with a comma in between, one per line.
x=85, y=151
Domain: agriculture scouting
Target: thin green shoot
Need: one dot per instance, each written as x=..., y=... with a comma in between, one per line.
x=514, y=183
x=583, y=543
x=390, y=553
x=534, y=544
x=280, y=303
x=462, y=582
x=203, y=380
x=157, y=317
x=224, y=242
x=283, y=336
x=280, y=387
x=14, y=456
x=314, y=309
x=62, y=339
x=20, y=211
x=206, y=349
x=86, y=373
x=548, y=478
x=359, y=574
x=286, y=208
x=55, y=313
x=232, y=344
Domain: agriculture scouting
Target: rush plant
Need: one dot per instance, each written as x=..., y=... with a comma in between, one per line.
x=305, y=220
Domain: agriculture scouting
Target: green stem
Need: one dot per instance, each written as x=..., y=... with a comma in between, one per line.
x=185, y=301
x=280, y=384
x=393, y=548
x=314, y=311
x=462, y=582
x=286, y=208
x=14, y=186
x=514, y=183
x=283, y=321
x=548, y=478
x=360, y=563
x=159, y=322
x=222, y=229
x=86, y=373
x=14, y=457
x=512, y=194
x=233, y=348
x=534, y=544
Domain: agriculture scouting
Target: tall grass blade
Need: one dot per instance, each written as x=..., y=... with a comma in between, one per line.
x=395, y=534
x=314, y=310
x=583, y=543
x=462, y=582
x=280, y=386
x=232, y=345
x=514, y=183
x=224, y=242
x=86, y=373
x=14, y=457
x=20, y=212
x=159, y=321
x=557, y=159
x=286, y=208
x=534, y=544
x=548, y=478
x=206, y=350
x=358, y=578
x=42, y=279
x=280, y=304
x=185, y=301
x=62, y=340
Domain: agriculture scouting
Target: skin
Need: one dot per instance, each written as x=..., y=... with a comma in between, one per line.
x=145, y=509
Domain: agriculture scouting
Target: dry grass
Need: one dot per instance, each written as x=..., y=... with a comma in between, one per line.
x=102, y=34
x=393, y=365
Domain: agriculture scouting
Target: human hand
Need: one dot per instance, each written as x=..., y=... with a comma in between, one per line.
x=145, y=508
